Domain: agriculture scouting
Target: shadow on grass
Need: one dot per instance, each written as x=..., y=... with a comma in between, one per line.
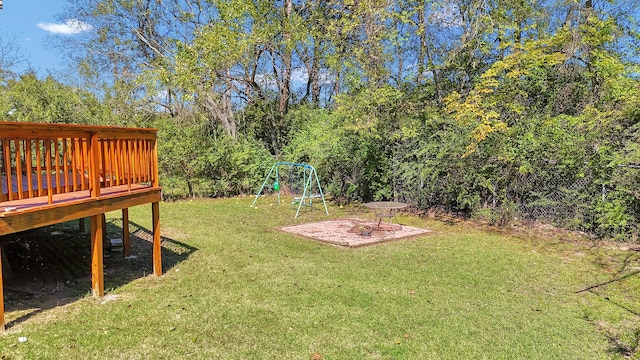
x=51, y=266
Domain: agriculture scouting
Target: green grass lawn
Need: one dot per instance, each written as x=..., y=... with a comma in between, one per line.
x=247, y=291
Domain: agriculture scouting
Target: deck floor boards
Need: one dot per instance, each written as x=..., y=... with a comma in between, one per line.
x=15, y=207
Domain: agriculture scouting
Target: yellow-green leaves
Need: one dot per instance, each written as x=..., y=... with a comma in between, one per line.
x=501, y=95
x=363, y=112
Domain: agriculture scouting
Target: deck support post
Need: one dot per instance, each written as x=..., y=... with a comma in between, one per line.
x=157, y=247
x=81, y=225
x=1, y=295
x=97, y=266
x=104, y=227
x=126, y=238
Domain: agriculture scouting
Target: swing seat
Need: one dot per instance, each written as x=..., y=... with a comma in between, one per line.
x=313, y=196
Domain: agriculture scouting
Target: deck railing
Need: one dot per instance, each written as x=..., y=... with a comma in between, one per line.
x=48, y=159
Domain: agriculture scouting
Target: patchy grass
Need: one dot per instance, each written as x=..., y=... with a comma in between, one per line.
x=246, y=291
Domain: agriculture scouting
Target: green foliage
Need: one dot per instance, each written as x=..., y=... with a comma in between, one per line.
x=205, y=164
x=498, y=110
x=31, y=99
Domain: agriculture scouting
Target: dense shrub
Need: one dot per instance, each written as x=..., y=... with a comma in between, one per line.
x=194, y=162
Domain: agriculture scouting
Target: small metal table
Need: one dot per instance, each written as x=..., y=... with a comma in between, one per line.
x=384, y=209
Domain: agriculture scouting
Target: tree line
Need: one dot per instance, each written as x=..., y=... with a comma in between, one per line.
x=496, y=109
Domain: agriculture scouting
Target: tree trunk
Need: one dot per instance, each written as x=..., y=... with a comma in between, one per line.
x=285, y=87
x=422, y=44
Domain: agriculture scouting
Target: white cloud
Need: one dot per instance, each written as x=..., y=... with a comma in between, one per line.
x=447, y=16
x=69, y=27
x=266, y=81
x=300, y=75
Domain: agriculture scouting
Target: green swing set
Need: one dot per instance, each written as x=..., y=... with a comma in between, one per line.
x=297, y=172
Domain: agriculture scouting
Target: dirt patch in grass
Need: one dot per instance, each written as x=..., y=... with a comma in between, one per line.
x=354, y=233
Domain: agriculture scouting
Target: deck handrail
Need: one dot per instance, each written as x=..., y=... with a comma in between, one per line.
x=46, y=159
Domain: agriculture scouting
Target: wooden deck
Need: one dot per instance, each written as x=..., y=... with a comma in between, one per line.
x=52, y=173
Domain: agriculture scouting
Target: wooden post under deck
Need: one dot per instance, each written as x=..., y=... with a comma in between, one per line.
x=157, y=248
x=104, y=227
x=1, y=295
x=97, y=266
x=126, y=238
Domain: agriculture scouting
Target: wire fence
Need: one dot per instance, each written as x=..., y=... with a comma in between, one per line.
x=569, y=197
x=560, y=201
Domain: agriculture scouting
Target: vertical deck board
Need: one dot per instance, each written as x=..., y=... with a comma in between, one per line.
x=19, y=168
x=39, y=168
x=56, y=147
x=94, y=165
x=7, y=166
x=65, y=166
x=105, y=161
x=129, y=164
x=85, y=163
x=155, y=181
x=47, y=155
x=119, y=172
x=74, y=163
x=29, y=163
x=2, y=169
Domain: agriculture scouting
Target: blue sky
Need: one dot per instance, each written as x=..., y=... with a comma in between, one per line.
x=29, y=24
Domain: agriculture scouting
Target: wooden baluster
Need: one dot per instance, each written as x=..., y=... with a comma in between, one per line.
x=7, y=167
x=29, y=162
x=130, y=164
x=143, y=164
x=65, y=166
x=80, y=168
x=125, y=161
x=113, y=177
x=136, y=146
x=104, y=157
x=155, y=181
x=56, y=146
x=85, y=164
x=74, y=163
x=114, y=162
x=3, y=183
x=134, y=155
x=113, y=155
x=48, y=159
x=147, y=159
x=39, y=167
x=108, y=158
x=17, y=143
x=94, y=165
x=117, y=162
